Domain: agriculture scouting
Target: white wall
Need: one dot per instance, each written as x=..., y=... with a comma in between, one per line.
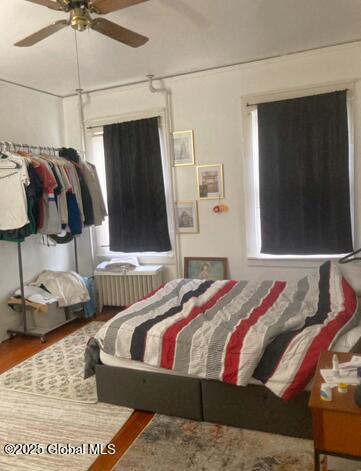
x=210, y=104
x=33, y=118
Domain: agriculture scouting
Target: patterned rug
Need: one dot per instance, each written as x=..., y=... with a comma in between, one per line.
x=26, y=419
x=178, y=444
x=57, y=371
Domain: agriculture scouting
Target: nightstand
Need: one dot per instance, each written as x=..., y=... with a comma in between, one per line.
x=336, y=424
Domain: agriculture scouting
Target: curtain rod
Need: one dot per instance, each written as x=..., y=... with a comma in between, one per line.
x=8, y=145
x=121, y=120
x=284, y=99
x=95, y=127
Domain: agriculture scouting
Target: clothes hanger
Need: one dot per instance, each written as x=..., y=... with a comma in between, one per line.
x=2, y=155
x=20, y=150
x=350, y=257
x=52, y=157
x=25, y=149
x=57, y=157
x=6, y=157
x=26, y=152
x=44, y=154
x=4, y=148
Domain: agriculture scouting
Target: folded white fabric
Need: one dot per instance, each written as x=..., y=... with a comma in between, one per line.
x=37, y=295
x=122, y=264
x=126, y=260
x=67, y=286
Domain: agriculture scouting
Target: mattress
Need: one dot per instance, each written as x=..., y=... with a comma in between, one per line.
x=110, y=360
x=344, y=344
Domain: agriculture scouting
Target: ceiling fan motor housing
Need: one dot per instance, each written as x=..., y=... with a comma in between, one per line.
x=80, y=19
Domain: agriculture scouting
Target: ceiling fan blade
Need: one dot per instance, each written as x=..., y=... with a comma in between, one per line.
x=47, y=3
x=114, y=31
x=103, y=7
x=42, y=34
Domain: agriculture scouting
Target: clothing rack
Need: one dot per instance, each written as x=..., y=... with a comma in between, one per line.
x=39, y=333
x=24, y=330
x=14, y=147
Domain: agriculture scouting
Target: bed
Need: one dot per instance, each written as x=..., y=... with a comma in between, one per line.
x=236, y=353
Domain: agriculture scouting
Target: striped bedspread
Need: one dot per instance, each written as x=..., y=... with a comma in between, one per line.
x=233, y=330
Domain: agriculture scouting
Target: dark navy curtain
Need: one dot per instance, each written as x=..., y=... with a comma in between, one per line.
x=304, y=175
x=135, y=186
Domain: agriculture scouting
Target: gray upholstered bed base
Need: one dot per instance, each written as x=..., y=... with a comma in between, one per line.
x=253, y=407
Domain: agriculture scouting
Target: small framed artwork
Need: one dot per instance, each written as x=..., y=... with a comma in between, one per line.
x=187, y=217
x=183, y=148
x=205, y=268
x=210, y=181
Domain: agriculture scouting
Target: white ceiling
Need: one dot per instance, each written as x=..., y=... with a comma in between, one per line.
x=185, y=35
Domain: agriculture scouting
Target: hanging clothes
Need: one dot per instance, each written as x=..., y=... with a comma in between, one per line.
x=91, y=179
x=74, y=222
x=47, y=194
x=61, y=196
x=14, y=178
x=33, y=192
x=88, y=210
x=49, y=184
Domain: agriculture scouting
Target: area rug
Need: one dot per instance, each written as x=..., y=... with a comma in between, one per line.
x=178, y=444
x=57, y=371
x=27, y=418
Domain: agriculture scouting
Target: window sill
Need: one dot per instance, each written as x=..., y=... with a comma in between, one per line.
x=310, y=258
x=290, y=261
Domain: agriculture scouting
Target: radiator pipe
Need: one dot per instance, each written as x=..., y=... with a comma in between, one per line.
x=169, y=118
x=79, y=92
x=82, y=122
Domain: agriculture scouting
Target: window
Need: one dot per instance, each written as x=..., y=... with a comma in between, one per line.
x=299, y=174
x=101, y=234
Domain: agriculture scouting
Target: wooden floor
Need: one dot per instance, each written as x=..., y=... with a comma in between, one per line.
x=18, y=349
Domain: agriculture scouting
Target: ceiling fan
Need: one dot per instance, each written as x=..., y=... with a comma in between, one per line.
x=80, y=20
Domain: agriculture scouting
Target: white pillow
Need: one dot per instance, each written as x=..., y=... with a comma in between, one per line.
x=352, y=273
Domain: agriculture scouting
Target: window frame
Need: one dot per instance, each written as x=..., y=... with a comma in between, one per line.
x=250, y=169
x=94, y=128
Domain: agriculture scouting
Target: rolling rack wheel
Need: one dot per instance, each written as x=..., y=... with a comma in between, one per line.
x=43, y=339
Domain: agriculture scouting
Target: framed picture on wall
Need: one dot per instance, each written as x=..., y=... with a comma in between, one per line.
x=210, y=181
x=183, y=148
x=187, y=217
x=205, y=268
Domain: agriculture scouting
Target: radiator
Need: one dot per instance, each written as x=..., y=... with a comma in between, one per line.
x=118, y=289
